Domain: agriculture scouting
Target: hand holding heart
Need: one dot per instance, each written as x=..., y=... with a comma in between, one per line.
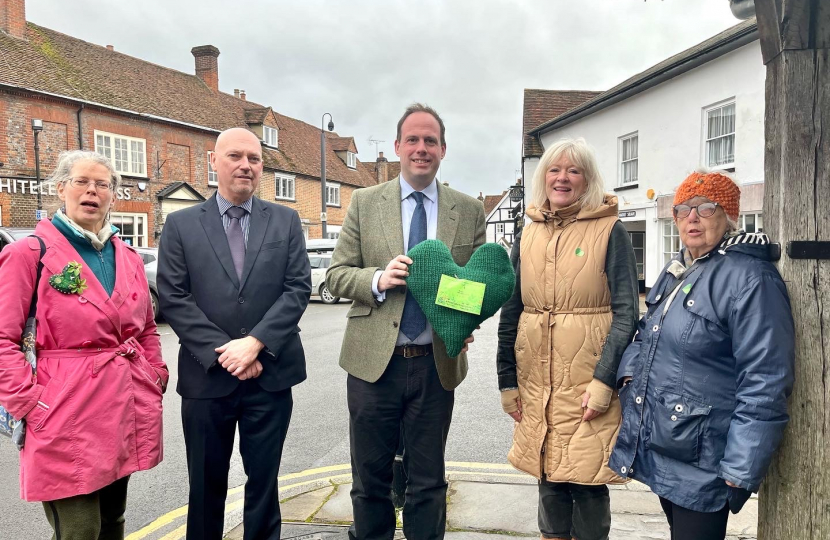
x=395, y=273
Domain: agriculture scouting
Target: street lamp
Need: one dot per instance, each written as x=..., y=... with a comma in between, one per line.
x=517, y=194
x=323, y=169
x=37, y=127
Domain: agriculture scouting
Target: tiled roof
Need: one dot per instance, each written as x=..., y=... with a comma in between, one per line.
x=393, y=168
x=343, y=144
x=54, y=63
x=256, y=116
x=722, y=43
x=491, y=201
x=299, y=152
x=172, y=188
x=543, y=105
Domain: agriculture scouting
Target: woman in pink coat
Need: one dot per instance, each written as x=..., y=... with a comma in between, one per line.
x=93, y=409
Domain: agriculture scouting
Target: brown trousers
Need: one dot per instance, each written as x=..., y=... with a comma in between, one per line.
x=98, y=515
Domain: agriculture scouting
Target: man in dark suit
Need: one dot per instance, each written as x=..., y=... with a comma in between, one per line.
x=234, y=280
x=399, y=371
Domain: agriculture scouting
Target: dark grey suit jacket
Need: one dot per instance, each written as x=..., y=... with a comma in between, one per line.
x=207, y=305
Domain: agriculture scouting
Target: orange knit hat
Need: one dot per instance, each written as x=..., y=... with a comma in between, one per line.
x=715, y=187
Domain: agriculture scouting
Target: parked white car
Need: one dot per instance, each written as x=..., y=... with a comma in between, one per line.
x=319, y=256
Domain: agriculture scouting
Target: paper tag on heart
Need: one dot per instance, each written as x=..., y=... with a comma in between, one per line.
x=460, y=294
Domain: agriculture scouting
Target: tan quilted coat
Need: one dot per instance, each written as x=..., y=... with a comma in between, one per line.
x=566, y=318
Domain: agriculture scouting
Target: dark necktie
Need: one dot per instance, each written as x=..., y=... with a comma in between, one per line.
x=236, y=238
x=414, y=321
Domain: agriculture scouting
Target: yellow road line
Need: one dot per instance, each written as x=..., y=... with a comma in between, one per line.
x=162, y=521
x=175, y=535
x=171, y=516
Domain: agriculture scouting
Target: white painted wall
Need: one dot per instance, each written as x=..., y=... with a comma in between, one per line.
x=499, y=214
x=669, y=120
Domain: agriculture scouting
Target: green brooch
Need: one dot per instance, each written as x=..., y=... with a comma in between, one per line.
x=69, y=280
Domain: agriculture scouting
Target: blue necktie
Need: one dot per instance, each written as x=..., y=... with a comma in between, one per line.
x=414, y=322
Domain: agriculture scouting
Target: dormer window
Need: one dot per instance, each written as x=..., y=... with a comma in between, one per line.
x=269, y=136
x=351, y=160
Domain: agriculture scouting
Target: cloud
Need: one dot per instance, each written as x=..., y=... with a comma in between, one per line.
x=365, y=61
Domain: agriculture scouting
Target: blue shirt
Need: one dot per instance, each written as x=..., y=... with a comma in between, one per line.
x=244, y=221
x=408, y=205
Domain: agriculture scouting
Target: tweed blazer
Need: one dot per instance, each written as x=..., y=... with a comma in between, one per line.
x=371, y=236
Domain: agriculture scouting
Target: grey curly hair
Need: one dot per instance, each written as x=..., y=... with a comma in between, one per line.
x=68, y=159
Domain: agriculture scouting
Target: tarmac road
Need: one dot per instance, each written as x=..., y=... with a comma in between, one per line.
x=318, y=435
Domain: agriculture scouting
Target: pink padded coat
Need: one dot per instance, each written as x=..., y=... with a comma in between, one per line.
x=94, y=409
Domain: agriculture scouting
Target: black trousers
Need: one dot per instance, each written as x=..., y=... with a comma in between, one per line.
x=209, y=429
x=98, y=515
x=572, y=510
x=408, y=395
x=687, y=524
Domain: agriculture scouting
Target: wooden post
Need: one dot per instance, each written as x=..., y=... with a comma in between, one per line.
x=795, y=36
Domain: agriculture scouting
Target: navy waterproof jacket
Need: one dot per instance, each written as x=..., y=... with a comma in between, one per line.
x=710, y=378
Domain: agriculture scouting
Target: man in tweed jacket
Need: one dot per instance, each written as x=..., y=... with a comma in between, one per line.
x=397, y=379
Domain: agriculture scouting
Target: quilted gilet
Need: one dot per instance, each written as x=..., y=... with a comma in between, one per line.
x=566, y=318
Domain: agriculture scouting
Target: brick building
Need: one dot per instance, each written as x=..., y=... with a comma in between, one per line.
x=158, y=126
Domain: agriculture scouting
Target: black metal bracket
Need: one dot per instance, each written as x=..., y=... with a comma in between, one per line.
x=808, y=249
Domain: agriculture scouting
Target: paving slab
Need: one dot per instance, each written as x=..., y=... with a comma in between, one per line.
x=472, y=507
x=745, y=523
x=303, y=506
x=624, y=501
x=468, y=535
x=338, y=509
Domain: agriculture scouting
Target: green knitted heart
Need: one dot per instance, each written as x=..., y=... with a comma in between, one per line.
x=489, y=264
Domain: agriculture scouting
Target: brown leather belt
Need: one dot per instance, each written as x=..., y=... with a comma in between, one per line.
x=413, y=351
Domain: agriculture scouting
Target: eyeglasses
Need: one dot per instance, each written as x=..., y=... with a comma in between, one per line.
x=83, y=183
x=706, y=209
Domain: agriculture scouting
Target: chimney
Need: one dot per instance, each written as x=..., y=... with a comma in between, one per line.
x=481, y=196
x=242, y=95
x=110, y=48
x=207, y=65
x=383, y=169
x=13, y=18
x=236, y=92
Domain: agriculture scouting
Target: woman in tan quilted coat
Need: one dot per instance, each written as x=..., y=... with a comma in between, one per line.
x=561, y=338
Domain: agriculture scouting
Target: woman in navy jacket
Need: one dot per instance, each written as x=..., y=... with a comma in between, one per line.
x=704, y=385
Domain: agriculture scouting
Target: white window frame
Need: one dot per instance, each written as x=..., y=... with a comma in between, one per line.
x=351, y=160
x=270, y=136
x=136, y=160
x=141, y=239
x=333, y=231
x=500, y=228
x=212, y=176
x=631, y=162
x=759, y=219
x=285, y=187
x=332, y=194
x=709, y=141
x=673, y=234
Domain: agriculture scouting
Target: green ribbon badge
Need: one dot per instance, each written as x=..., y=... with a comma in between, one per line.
x=687, y=288
x=579, y=252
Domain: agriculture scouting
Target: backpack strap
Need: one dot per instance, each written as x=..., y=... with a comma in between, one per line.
x=33, y=305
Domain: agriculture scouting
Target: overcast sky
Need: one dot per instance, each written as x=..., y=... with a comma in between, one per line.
x=364, y=61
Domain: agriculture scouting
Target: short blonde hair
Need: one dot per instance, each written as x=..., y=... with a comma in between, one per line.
x=578, y=151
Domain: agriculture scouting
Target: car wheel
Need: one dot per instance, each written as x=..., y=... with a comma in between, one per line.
x=326, y=296
x=154, y=300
